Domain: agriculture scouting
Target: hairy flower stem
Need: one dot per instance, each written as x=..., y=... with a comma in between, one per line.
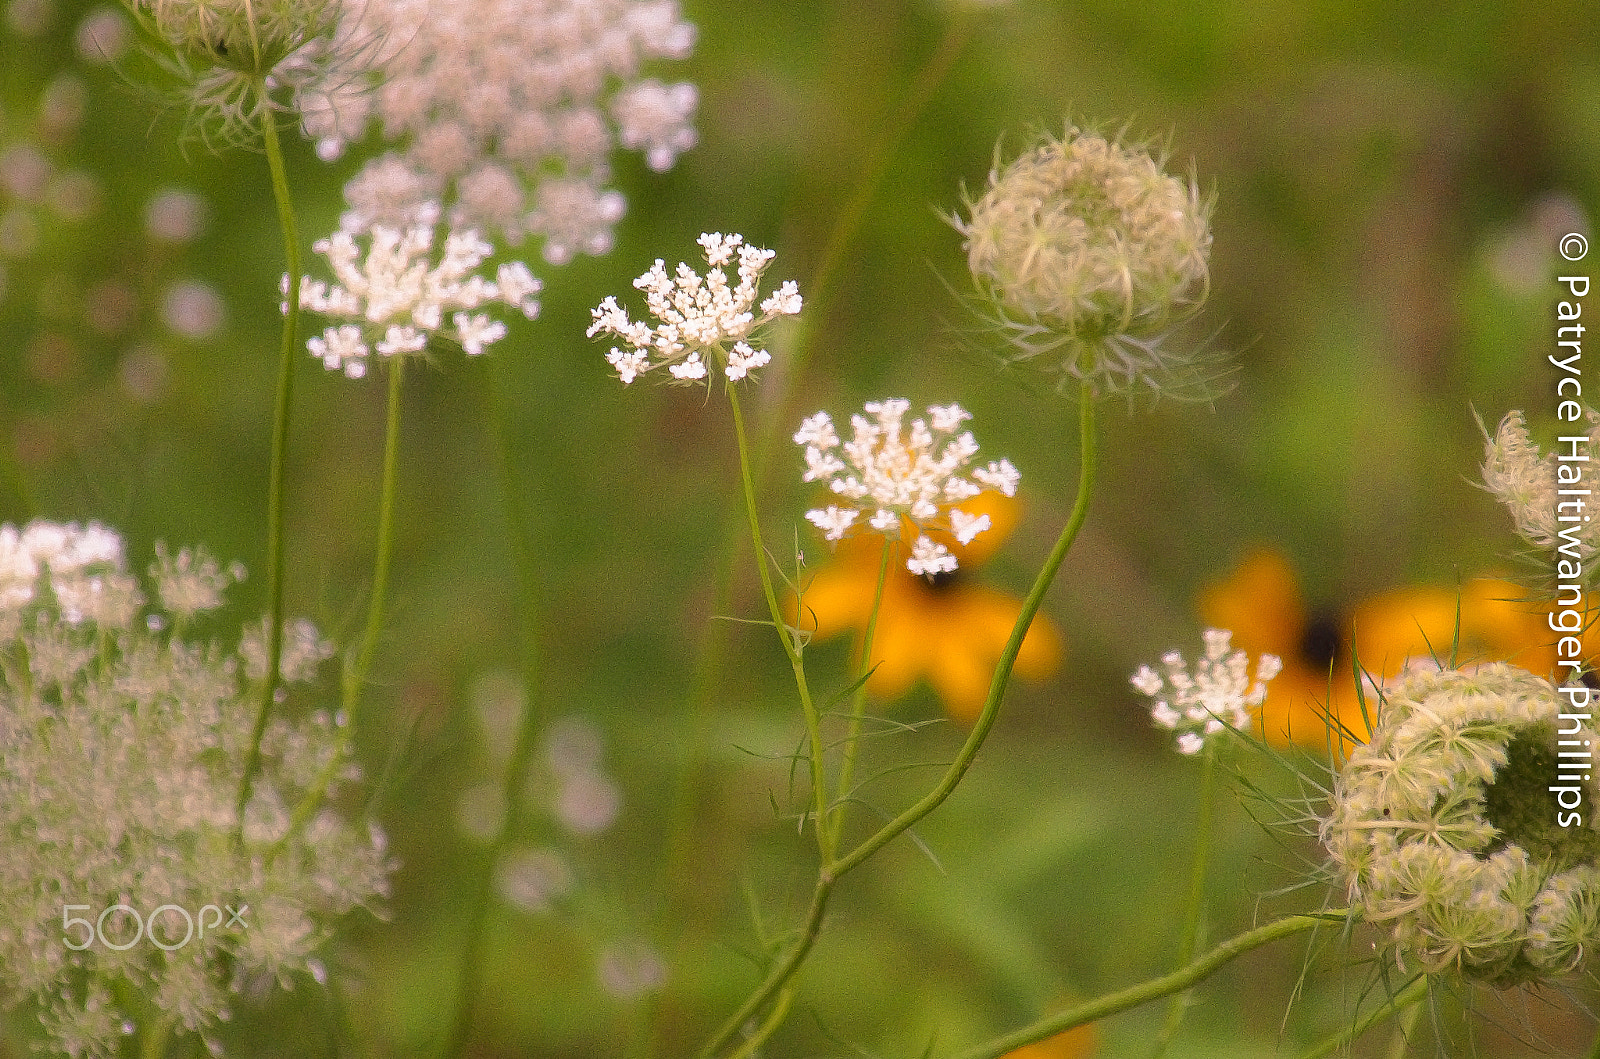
x=1189, y=939
x=791, y=648
x=519, y=525
x=280, y=451
x=833, y=870
x=1168, y=984
x=1403, y=1004
x=858, y=701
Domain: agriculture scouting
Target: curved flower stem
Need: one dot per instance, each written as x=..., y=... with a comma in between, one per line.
x=833, y=870
x=1189, y=939
x=520, y=527
x=1404, y=1024
x=1166, y=985
x=858, y=701
x=1008, y=656
x=819, y=790
x=1402, y=1003
x=280, y=449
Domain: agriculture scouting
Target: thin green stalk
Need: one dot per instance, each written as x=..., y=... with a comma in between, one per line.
x=280, y=451
x=819, y=789
x=1404, y=1025
x=519, y=526
x=833, y=870
x=858, y=701
x=1400, y=1003
x=1190, y=938
x=780, y=1011
x=358, y=664
x=1002, y=672
x=777, y=979
x=1182, y=979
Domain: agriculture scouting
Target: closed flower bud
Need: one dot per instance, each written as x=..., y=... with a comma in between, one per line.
x=1086, y=254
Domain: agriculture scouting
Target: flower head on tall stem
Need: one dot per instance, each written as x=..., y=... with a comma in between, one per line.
x=702, y=323
x=1086, y=255
x=914, y=473
x=397, y=291
x=1217, y=692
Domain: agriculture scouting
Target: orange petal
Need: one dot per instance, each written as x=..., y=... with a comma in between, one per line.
x=1260, y=604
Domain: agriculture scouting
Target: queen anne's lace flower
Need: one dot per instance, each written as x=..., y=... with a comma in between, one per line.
x=1086, y=253
x=400, y=297
x=1217, y=693
x=1449, y=825
x=507, y=110
x=702, y=322
x=900, y=473
x=122, y=745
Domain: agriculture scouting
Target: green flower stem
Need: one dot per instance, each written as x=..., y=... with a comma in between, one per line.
x=1402, y=1003
x=780, y=1011
x=833, y=870
x=1404, y=1024
x=521, y=530
x=858, y=701
x=819, y=790
x=1168, y=984
x=358, y=664
x=280, y=450
x=1002, y=672
x=1189, y=939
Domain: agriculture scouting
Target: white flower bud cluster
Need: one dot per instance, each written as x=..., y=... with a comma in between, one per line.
x=697, y=317
x=508, y=110
x=898, y=473
x=1444, y=827
x=399, y=296
x=1217, y=693
x=1526, y=482
x=122, y=745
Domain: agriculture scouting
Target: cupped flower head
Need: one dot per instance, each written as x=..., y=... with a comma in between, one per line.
x=123, y=857
x=1462, y=827
x=225, y=51
x=702, y=323
x=399, y=292
x=892, y=472
x=1216, y=693
x=1086, y=254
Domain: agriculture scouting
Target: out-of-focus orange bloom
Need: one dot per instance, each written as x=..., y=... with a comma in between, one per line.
x=946, y=629
x=1313, y=702
x=1076, y=1043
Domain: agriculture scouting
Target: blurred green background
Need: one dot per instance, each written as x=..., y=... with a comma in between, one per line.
x=1390, y=183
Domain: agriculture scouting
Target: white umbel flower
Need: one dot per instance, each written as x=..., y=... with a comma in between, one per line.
x=507, y=110
x=1216, y=693
x=1527, y=483
x=122, y=746
x=397, y=288
x=916, y=473
x=703, y=322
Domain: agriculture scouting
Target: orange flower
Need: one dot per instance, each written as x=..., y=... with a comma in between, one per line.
x=1076, y=1043
x=944, y=628
x=1313, y=702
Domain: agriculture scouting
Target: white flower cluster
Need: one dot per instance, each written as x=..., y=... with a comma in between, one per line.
x=122, y=745
x=898, y=474
x=396, y=287
x=507, y=109
x=1527, y=483
x=698, y=316
x=1218, y=693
